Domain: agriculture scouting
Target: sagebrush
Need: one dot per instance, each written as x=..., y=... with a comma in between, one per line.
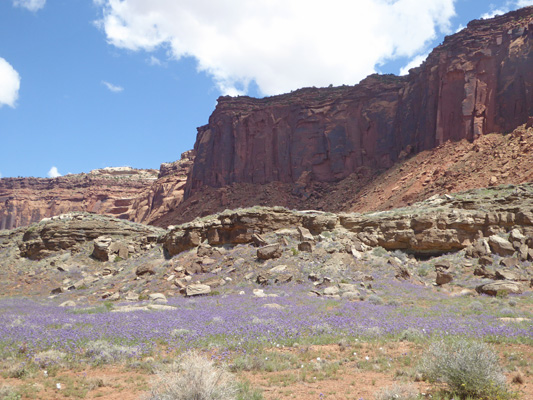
x=469, y=368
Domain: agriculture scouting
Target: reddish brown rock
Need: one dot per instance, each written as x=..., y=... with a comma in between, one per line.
x=109, y=191
x=478, y=81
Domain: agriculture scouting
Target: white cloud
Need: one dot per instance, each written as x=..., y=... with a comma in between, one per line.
x=9, y=84
x=492, y=13
x=54, y=173
x=113, y=88
x=154, y=61
x=415, y=62
x=32, y=5
x=524, y=3
x=279, y=44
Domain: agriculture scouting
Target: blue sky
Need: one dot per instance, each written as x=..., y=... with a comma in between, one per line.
x=87, y=84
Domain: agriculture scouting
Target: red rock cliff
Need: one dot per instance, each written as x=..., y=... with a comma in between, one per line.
x=478, y=81
x=109, y=191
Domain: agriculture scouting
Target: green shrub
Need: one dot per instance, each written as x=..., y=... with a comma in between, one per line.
x=467, y=367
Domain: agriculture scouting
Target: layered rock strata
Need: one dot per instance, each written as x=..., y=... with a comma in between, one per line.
x=110, y=191
x=438, y=225
x=478, y=81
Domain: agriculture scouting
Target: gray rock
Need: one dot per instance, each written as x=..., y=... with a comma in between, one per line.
x=197, y=289
x=499, y=287
x=331, y=291
x=268, y=252
x=258, y=240
x=305, y=234
x=157, y=298
x=501, y=246
x=145, y=269
x=101, y=248
x=306, y=246
x=68, y=303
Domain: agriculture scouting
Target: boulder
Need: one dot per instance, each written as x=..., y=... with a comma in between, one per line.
x=258, y=240
x=101, y=248
x=197, y=289
x=306, y=246
x=157, y=298
x=68, y=303
x=506, y=275
x=509, y=262
x=331, y=291
x=501, y=246
x=259, y=293
x=268, y=252
x=499, y=287
x=485, y=260
x=305, y=234
x=443, y=278
x=145, y=269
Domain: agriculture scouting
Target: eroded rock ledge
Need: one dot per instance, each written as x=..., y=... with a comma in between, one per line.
x=438, y=225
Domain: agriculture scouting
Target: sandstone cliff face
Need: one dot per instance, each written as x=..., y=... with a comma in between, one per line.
x=165, y=193
x=478, y=81
x=109, y=191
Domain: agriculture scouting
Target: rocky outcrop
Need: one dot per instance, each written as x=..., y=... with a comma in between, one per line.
x=478, y=81
x=110, y=191
x=134, y=194
x=67, y=231
x=165, y=194
x=438, y=225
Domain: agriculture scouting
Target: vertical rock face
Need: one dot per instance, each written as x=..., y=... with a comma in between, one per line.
x=165, y=193
x=123, y=192
x=478, y=81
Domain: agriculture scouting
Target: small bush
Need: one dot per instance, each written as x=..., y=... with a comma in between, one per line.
x=412, y=335
x=476, y=306
x=101, y=352
x=397, y=392
x=9, y=393
x=467, y=367
x=375, y=299
x=506, y=311
x=194, y=378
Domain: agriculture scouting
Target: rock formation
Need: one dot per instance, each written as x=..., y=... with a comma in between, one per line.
x=433, y=227
x=110, y=191
x=478, y=81
x=386, y=142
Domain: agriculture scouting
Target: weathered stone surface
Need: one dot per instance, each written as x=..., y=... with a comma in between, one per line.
x=258, y=240
x=486, y=260
x=505, y=274
x=105, y=191
x=305, y=234
x=306, y=246
x=331, y=291
x=509, y=262
x=468, y=86
x=268, y=252
x=101, y=247
x=198, y=289
x=67, y=231
x=501, y=246
x=499, y=287
x=157, y=298
x=443, y=278
x=146, y=269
